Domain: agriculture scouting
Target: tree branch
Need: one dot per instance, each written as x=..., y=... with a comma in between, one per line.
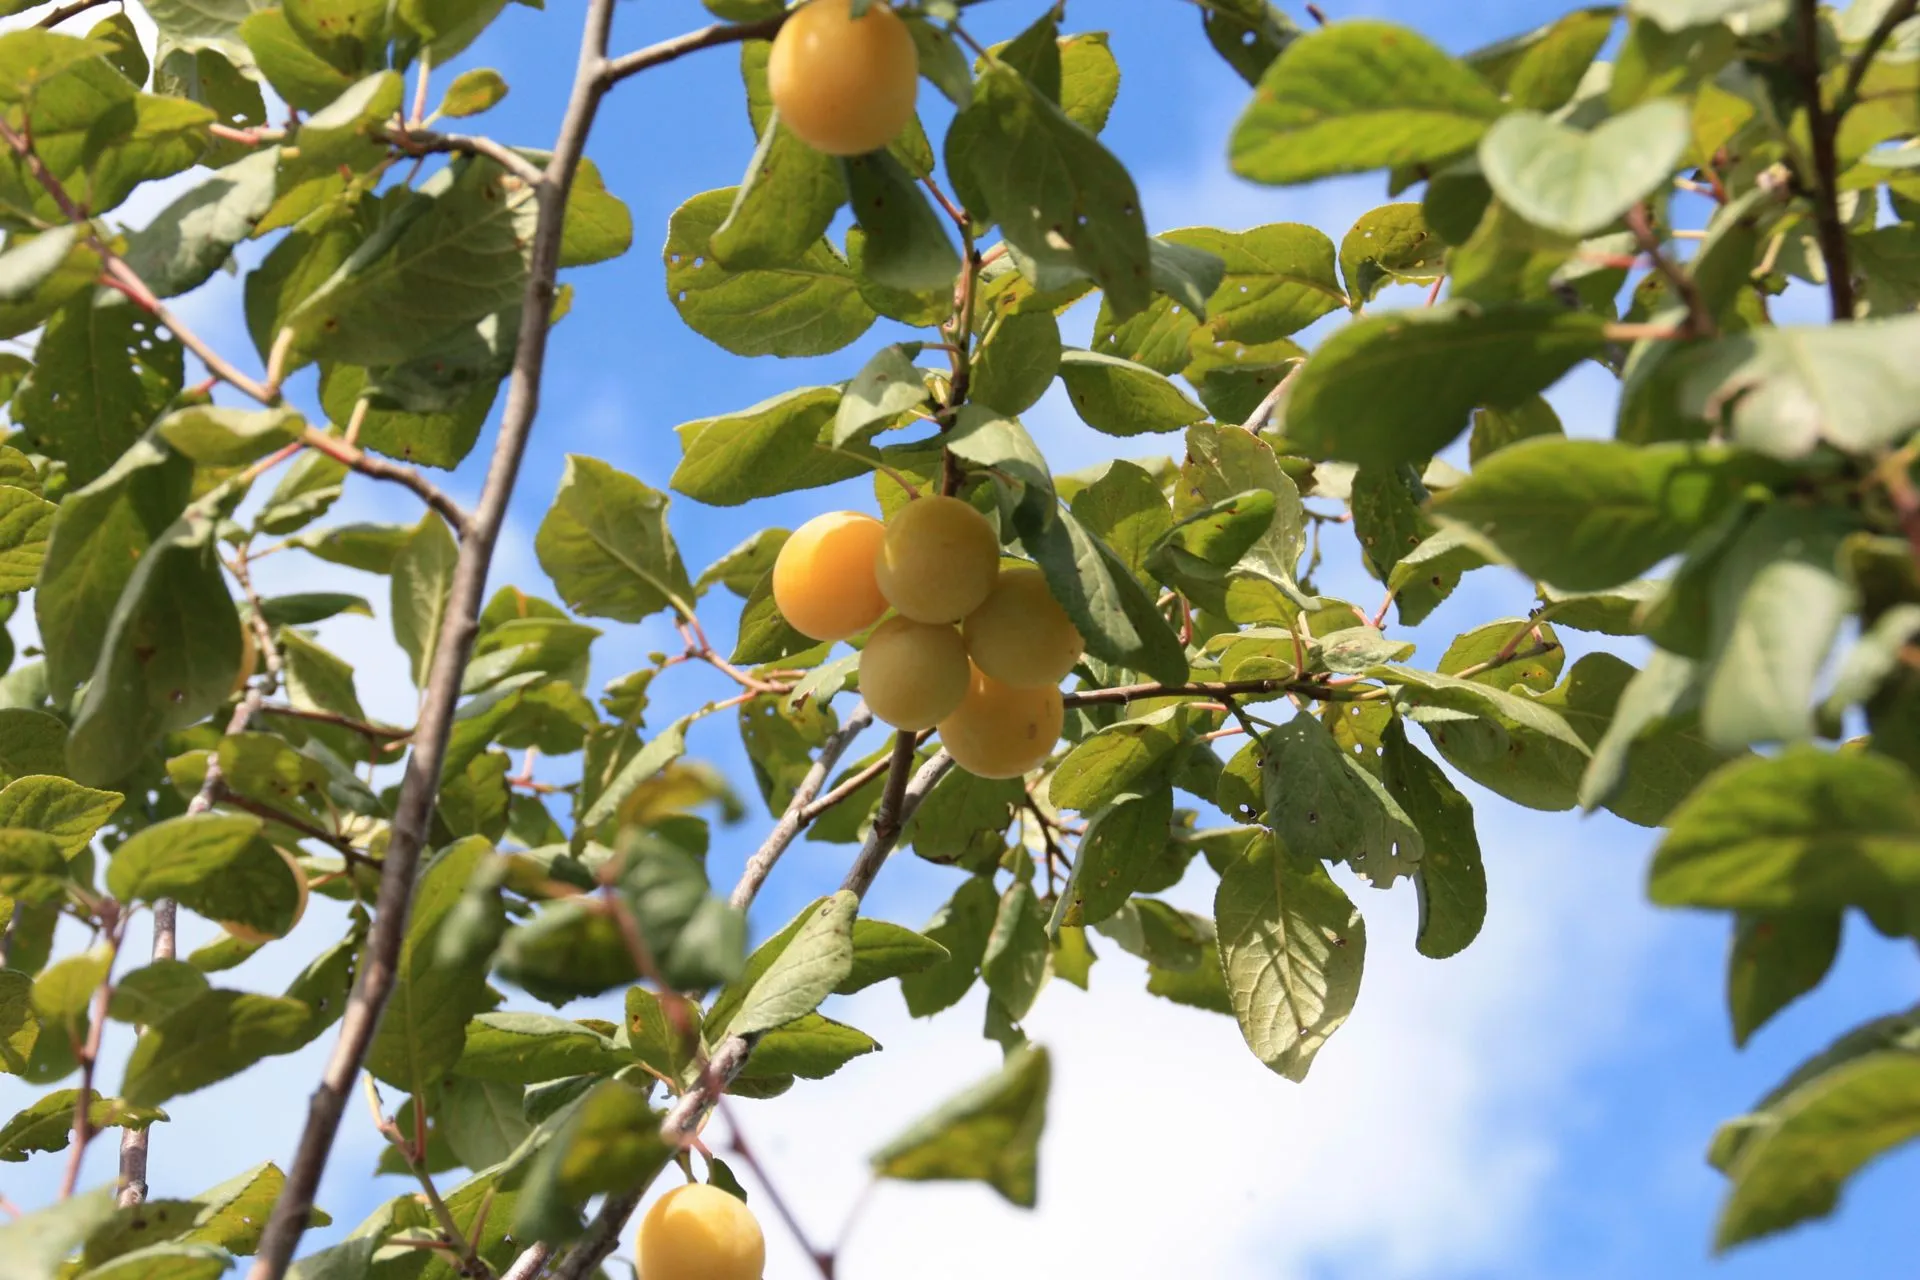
x=1199, y=689
x=134, y=1143
x=760, y=865
x=613, y=70
x=89, y=1054
x=66, y=11
x=414, y=812
x=1876, y=40
x=897, y=804
x=1822, y=127
x=379, y=468
x=1699, y=316
x=424, y=142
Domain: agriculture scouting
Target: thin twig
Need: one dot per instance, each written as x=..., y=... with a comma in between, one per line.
x=761, y=863
x=1876, y=40
x=414, y=813
x=135, y=1146
x=612, y=71
x=88, y=1054
x=1822, y=127
x=368, y=464
x=894, y=811
x=66, y=11
x=418, y=142
x=737, y=1143
x=1699, y=316
x=1263, y=412
x=374, y=732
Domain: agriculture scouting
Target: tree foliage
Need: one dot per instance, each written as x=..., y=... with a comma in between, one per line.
x=184, y=743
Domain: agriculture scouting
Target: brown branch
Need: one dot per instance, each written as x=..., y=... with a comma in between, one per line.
x=1876, y=40
x=1263, y=412
x=1822, y=128
x=368, y=464
x=612, y=71
x=1216, y=689
x=373, y=732
x=414, y=812
x=530, y=1264
x=760, y=865
x=134, y=1143
x=822, y=1259
x=66, y=11
x=1699, y=317
x=88, y=1055
x=424, y=142
x=894, y=811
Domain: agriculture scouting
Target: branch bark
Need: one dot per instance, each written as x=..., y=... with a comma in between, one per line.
x=135, y=1148
x=1822, y=126
x=379, y=468
x=760, y=865
x=614, y=70
x=414, y=812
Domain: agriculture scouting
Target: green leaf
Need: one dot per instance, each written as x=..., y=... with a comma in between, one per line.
x=1121, y=844
x=217, y=1036
x=810, y=1047
x=1016, y=361
x=1590, y=514
x=1222, y=463
x=1646, y=758
x=789, y=975
x=961, y=926
x=808, y=307
x=606, y=545
x=234, y=1214
x=371, y=548
x=35, y=1246
x=782, y=206
x=422, y=1033
x=1357, y=96
x=526, y=1048
x=1060, y=197
x=156, y=992
x=1291, y=947
x=440, y=437
x=422, y=584
x=1776, y=958
x=1389, y=245
x=33, y=868
x=1777, y=603
x=341, y=132
x=172, y=1261
x=1518, y=746
x=100, y=376
x=47, y=1125
x=1398, y=387
x=303, y=77
x=889, y=384
x=610, y=1144
x=25, y=267
x=1324, y=804
x=472, y=92
x=215, y=864
x=1089, y=79
x=1543, y=68
x=1126, y=758
x=988, y=1133
x=1451, y=879
x=26, y=524
x=169, y=658
x=1122, y=398
x=1836, y=1113
x=1785, y=391
x=1495, y=429
x=30, y=742
x=1112, y=611
x=1398, y=536
x=1581, y=183
x=192, y=238
x=67, y=811
x=882, y=950
x=1248, y=34
x=906, y=241
x=218, y=437
x=776, y=446
x=1014, y=964
x=1805, y=830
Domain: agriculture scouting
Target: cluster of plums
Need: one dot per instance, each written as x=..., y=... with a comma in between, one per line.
x=971, y=648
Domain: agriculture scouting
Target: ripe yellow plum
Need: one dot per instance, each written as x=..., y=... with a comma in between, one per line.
x=1001, y=730
x=844, y=85
x=823, y=579
x=247, y=933
x=938, y=561
x=1020, y=635
x=699, y=1232
x=914, y=674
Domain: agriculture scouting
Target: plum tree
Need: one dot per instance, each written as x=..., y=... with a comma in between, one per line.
x=938, y=561
x=913, y=674
x=823, y=578
x=699, y=1232
x=259, y=937
x=1020, y=635
x=1002, y=730
x=844, y=85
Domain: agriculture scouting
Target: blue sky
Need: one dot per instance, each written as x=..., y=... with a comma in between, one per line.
x=1536, y=1106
